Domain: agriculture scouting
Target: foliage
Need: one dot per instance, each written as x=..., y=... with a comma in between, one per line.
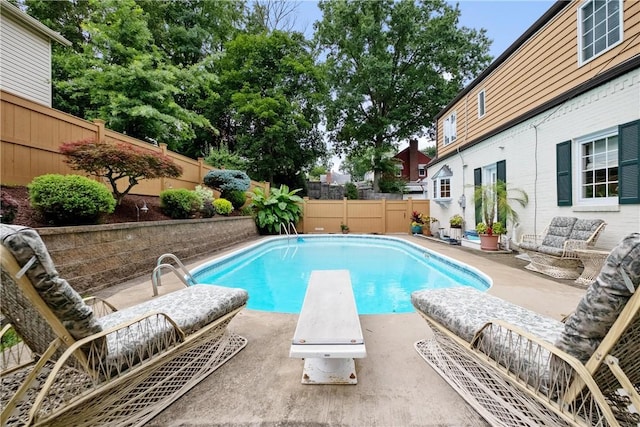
x=204, y=194
x=236, y=197
x=416, y=217
x=351, y=191
x=8, y=208
x=430, y=151
x=316, y=171
x=391, y=184
x=344, y=227
x=9, y=339
x=494, y=200
x=179, y=203
x=222, y=206
x=222, y=158
x=456, y=220
x=246, y=211
x=227, y=180
x=207, y=210
x=117, y=162
x=392, y=66
x=70, y=199
x=280, y=206
x=269, y=108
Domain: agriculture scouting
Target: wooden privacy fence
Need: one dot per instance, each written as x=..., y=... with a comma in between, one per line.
x=31, y=134
x=362, y=216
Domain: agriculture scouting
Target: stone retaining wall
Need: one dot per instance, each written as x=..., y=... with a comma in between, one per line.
x=95, y=257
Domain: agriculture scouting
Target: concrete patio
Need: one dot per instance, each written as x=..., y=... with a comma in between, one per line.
x=261, y=385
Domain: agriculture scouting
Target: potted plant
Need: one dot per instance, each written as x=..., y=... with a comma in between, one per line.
x=344, y=228
x=417, y=221
x=426, y=226
x=493, y=199
x=456, y=221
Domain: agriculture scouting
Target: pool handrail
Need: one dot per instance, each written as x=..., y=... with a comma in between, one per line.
x=156, y=280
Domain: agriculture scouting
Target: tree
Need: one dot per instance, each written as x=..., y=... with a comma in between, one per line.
x=392, y=66
x=269, y=15
x=271, y=91
x=115, y=162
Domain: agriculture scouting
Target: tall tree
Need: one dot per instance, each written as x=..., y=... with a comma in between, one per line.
x=392, y=66
x=271, y=90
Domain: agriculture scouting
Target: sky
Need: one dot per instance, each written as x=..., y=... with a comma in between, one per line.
x=504, y=20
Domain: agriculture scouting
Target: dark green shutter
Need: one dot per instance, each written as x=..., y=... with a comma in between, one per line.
x=477, y=182
x=501, y=175
x=563, y=173
x=629, y=162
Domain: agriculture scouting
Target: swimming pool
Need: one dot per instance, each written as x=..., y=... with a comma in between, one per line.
x=384, y=271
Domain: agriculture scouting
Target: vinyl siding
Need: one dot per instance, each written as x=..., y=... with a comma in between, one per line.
x=25, y=62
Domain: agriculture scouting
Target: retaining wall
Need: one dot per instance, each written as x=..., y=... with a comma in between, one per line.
x=95, y=257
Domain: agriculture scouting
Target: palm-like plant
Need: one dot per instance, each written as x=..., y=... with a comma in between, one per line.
x=495, y=198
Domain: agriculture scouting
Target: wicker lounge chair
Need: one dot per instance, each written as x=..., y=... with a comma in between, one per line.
x=554, y=253
x=518, y=368
x=122, y=368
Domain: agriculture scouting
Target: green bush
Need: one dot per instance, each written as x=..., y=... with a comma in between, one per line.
x=70, y=199
x=222, y=206
x=280, y=206
x=236, y=197
x=208, y=210
x=227, y=180
x=8, y=208
x=179, y=203
x=351, y=191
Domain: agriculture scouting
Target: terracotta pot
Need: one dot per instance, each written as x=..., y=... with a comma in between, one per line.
x=489, y=242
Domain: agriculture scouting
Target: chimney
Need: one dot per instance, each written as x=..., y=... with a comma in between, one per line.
x=413, y=160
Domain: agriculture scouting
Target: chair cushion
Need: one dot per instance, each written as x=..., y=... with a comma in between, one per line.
x=191, y=308
x=76, y=316
x=583, y=229
x=605, y=298
x=550, y=250
x=559, y=231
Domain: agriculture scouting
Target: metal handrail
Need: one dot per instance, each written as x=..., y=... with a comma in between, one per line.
x=156, y=275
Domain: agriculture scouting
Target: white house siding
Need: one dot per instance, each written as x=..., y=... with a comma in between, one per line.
x=530, y=153
x=25, y=62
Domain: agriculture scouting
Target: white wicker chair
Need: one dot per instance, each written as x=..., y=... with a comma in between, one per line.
x=122, y=368
x=518, y=368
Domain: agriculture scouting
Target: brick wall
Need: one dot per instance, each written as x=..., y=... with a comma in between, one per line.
x=95, y=257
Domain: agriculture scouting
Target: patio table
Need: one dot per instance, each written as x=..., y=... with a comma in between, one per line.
x=592, y=260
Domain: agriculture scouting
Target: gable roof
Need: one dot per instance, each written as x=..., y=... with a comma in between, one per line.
x=33, y=24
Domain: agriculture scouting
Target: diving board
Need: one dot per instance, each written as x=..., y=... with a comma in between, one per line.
x=328, y=335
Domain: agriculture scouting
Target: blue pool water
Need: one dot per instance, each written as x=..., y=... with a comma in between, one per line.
x=384, y=271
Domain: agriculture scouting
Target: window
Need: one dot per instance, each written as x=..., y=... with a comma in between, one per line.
x=450, y=133
x=599, y=27
x=399, y=169
x=598, y=168
x=442, y=183
x=422, y=170
x=481, y=97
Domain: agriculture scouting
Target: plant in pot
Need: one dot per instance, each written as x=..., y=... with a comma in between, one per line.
x=417, y=221
x=456, y=221
x=344, y=228
x=426, y=226
x=493, y=201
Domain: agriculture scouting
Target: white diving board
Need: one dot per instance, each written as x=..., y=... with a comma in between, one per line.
x=328, y=335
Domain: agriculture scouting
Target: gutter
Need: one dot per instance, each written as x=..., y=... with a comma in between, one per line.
x=10, y=10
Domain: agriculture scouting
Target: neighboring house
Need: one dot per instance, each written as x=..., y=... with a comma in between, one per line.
x=557, y=115
x=25, y=54
x=413, y=168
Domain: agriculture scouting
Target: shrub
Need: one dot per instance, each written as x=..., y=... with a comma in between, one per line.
x=236, y=197
x=227, y=180
x=222, y=206
x=223, y=158
x=179, y=203
x=280, y=206
x=203, y=194
x=8, y=208
x=351, y=191
x=208, y=210
x=70, y=199
x=119, y=161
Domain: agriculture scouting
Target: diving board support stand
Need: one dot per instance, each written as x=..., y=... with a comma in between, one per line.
x=328, y=335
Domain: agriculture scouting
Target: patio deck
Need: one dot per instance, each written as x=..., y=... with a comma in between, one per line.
x=261, y=385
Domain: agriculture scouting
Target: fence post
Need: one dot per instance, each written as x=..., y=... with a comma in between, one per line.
x=345, y=212
x=304, y=214
x=384, y=216
x=99, y=130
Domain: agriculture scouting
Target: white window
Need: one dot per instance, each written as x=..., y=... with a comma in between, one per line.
x=598, y=168
x=599, y=27
x=481, y=110
x=450, y=133
x=422, y=170
x=399, y=168
x=442, y=183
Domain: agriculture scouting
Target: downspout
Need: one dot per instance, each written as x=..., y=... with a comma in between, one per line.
x=462, y=201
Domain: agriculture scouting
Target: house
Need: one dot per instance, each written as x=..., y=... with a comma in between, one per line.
x=556, y=115
x=413, y=168
x=25, y=54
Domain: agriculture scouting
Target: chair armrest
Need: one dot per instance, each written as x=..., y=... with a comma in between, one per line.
x=100, y=307
x=531, y=238
x=570, y=246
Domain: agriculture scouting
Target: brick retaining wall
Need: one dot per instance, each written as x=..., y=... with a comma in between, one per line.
x=95, y=257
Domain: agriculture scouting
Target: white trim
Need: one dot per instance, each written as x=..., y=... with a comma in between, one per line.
x=579, y=12
x=577, y=171
x=450, y=132
x=482, y=102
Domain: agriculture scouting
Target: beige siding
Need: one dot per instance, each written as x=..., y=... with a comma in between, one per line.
x=545, y=67
x=25, y=62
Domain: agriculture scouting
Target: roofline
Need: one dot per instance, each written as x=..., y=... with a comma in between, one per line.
x=556, y=8
x=594, y=82
x=17, y=14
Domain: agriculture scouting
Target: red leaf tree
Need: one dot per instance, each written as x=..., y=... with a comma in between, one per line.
x=117, y=162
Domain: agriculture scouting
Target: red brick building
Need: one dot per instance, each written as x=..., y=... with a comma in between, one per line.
x=414, y=162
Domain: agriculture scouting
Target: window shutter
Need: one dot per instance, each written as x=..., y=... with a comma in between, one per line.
x=629, y=162
x=477, y=182
x=501, y=175
x=563, y=173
